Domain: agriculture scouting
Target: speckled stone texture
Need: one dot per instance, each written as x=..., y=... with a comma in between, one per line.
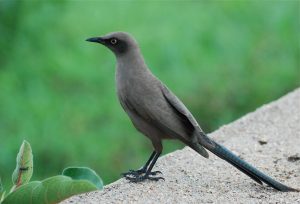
x=268, y=138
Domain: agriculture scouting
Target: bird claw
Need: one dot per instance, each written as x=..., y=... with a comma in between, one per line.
x=141, y=175
x=154, y=173
x=140, y=178
x=139, y=172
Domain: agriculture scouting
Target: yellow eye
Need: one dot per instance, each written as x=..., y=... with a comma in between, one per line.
x=113, y=41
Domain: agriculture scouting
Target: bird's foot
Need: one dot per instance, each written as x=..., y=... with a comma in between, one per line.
x=140, y=178
x=139, y=172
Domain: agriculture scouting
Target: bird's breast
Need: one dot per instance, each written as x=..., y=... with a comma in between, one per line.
x=138, y=91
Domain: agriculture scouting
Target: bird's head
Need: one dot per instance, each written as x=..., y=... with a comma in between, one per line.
x=119, y=43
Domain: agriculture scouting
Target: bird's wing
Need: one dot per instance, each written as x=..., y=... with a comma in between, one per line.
x=179, y=106
x=198, y=138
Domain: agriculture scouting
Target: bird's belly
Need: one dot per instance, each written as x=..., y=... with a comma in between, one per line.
x=145, y=127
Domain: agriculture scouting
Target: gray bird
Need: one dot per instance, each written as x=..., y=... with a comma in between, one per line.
x=157, y=113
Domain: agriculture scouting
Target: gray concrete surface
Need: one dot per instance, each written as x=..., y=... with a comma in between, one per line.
x=268, y=138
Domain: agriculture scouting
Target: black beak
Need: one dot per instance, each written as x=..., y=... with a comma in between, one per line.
x=96, y=40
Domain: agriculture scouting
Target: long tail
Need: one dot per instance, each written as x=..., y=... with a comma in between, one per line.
x=246, y=168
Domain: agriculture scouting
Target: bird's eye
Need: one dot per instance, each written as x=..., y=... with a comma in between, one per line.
x=113, y=41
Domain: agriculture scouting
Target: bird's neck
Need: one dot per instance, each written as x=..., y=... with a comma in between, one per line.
x=131, y=63
x=131, y=71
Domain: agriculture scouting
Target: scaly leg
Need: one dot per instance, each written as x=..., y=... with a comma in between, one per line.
x=140, y=177
x=143, y=169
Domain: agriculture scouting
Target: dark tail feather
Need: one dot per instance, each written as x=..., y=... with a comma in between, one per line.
x=246, y=168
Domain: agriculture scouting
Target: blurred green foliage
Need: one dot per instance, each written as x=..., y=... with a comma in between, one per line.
x=223, y=59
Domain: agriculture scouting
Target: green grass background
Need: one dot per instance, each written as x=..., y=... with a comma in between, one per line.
x=222, y=58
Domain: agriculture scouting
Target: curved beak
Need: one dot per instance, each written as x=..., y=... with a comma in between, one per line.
x=96, y=40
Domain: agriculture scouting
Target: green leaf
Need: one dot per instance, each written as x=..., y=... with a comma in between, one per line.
x=2, y=196
x=83, y=173
x=49, y=191
x=2, y=192
x=24, y=168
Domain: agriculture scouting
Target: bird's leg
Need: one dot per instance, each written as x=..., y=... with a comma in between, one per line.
x=147, y=175
x=143, y=169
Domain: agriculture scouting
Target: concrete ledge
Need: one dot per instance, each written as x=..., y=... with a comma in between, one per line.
x=268, y=138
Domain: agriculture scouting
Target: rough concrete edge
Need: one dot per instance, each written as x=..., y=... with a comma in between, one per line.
x=262, y=108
